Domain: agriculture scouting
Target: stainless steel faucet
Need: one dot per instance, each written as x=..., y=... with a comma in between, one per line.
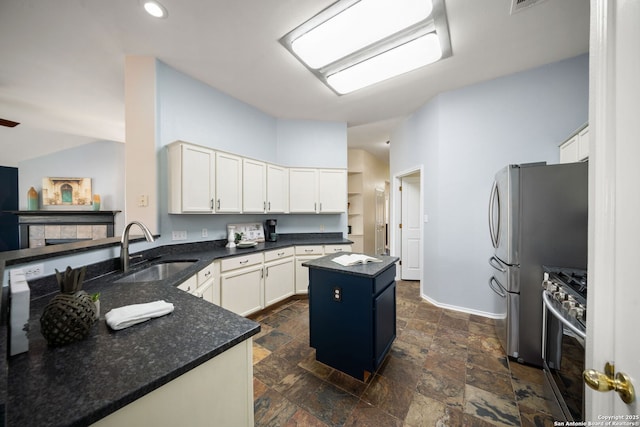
x=124, y=243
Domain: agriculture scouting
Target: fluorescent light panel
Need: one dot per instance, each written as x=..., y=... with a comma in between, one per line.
x=356, y=27
x=404, y=58
x=355, y=43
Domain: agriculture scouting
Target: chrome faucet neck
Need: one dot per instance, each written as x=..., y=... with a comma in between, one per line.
x=124, y=242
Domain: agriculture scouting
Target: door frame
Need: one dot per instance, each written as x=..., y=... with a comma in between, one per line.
x=612, y=84
x=395, y=216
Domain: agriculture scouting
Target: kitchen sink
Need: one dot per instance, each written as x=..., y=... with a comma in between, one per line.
x=155, y=272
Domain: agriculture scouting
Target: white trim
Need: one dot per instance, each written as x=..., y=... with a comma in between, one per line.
x=459, y=309
x=602, y=187
x=395, y=217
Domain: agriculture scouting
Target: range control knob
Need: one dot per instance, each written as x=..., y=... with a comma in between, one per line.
x=569, y=303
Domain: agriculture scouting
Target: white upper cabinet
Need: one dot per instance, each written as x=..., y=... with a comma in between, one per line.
x=303, y=190
x=228, y=183
x=202, y=180
x=317, y=190
x=576, y=148
x=277, y=189
x=583, y=144
x=191, y=171
x=332, y=191
x=254, y=186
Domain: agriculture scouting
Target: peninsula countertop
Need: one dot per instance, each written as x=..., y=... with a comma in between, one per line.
x=82, y=382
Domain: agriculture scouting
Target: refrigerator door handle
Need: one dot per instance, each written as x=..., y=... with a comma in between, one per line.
x=494, y=229
x=495, y=263
x=500, y=289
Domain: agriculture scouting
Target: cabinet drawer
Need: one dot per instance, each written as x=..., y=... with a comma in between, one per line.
x=240, y=261
x=277, y=254
x=309, y=250
x=206, y=273
x=330, y=249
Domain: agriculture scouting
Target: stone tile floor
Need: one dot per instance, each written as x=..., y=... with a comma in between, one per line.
x=445, y=368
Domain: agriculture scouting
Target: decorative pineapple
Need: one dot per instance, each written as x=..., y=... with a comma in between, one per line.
x=69, y=316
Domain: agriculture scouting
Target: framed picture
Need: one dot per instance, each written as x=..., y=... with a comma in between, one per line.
x=66, y=191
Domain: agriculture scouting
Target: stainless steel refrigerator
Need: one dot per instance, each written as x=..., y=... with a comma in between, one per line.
x=537, y=216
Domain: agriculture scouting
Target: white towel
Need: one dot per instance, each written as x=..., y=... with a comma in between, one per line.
x=123, y=317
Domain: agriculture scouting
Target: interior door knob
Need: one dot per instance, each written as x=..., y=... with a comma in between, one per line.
x=607, y=381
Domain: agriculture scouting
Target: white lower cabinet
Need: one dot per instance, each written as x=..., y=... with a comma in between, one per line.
x=205, y=284
x=219, y=392
x=209, y=284
x=242, y=283
x=304, y=254
x=332, y=249
x=278, y=280
x=190, y=285
x=307, y=253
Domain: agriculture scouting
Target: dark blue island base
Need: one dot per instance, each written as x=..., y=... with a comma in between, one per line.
x=352, y=313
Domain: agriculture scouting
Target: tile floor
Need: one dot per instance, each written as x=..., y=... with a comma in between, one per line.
x=445, y=368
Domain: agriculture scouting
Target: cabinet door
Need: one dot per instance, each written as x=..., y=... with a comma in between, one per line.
x=569, y=151
x=228, y=183
x=254, y=186
x=190, y=285
x=278, y=281
x=209, y=292
x=302, y=190
x=241, y=291
x=302, y=274
x=191, y=175
x=332, y=191
x=384, y=322
x=277, y=189
x=583, y=144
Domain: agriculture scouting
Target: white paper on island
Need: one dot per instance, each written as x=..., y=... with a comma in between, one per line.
x=354, y=259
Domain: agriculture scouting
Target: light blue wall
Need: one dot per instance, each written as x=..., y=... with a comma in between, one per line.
x=102, y=161
x=307, y=143
x=191, y=111
x=461, y=138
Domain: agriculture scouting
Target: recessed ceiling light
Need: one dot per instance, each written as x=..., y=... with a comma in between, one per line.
x=155, y=9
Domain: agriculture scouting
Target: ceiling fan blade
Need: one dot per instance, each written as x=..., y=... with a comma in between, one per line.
x=8, y=123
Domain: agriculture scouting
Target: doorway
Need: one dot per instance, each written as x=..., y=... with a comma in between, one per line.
x=407, y=223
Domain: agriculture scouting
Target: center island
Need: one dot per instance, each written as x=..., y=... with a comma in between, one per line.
x=352, y=313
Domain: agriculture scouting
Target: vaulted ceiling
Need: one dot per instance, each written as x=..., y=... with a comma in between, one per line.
x=62, y=63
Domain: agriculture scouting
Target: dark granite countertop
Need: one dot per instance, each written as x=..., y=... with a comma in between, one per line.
x=370, y=269
x=83, y=382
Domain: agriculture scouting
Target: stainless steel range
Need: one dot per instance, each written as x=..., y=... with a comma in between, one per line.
x=564, y=317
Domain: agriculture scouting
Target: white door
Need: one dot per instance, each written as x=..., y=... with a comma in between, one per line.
x=411, y=230
x=380, y=222
x=614, y=203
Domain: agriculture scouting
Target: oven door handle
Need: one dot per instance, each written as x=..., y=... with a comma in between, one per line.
x=546, y=299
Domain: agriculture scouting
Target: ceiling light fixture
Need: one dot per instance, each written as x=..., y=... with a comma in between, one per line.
x=355, y=43
x=357, y=26
x=399, y=60
x=155, y=9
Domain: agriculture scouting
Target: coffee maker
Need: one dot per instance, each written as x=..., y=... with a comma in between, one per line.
x=270, y=230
